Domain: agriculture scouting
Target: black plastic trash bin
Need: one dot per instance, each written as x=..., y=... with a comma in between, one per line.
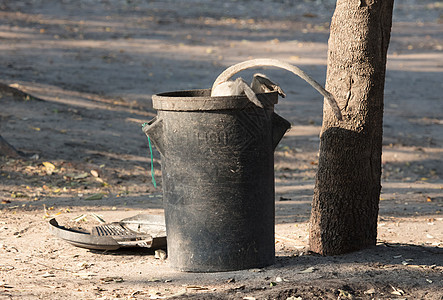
x=217, y=158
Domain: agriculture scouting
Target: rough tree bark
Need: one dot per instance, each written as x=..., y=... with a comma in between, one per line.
x=347, y=190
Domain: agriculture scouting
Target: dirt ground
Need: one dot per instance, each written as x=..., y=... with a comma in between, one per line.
x=87, y=70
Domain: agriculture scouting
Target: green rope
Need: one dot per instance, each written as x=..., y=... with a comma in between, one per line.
x=152, y=163
x=152, y=159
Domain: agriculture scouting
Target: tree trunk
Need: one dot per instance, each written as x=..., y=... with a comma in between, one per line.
x=347, y=191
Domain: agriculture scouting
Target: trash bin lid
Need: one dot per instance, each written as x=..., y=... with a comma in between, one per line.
x=148, y=231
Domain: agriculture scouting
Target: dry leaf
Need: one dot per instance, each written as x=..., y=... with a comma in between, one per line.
x=98, y=218
x=345, y=294
x=49, y=167
x=97, y=196
x=81, y=176
x=196, y=288
x=79, y=218
x=397, y=291
x=370, y=292
x=308, y=270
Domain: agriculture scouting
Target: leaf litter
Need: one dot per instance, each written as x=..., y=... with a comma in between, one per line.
x=127, y=184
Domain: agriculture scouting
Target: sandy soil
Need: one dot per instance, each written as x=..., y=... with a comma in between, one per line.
x=92, y=66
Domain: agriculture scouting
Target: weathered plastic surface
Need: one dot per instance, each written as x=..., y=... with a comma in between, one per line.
x=218, y=178
x=138, y=231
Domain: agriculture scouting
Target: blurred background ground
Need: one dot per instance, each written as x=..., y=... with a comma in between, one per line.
x=94, y=65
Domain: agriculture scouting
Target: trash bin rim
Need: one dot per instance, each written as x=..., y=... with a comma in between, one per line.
x=200, y=100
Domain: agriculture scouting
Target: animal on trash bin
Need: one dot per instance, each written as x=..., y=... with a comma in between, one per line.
x=260, y=84
x=223, y=86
